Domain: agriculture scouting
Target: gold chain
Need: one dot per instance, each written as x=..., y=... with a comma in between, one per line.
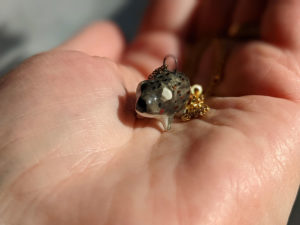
x=196, y=107
x=218, y=71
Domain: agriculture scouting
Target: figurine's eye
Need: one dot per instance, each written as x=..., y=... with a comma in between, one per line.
x=143, y=87
x=141, y=105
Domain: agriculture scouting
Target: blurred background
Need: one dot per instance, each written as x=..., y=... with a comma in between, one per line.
x=32, y=26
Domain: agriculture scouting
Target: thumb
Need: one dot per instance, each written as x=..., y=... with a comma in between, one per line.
x=102, y=39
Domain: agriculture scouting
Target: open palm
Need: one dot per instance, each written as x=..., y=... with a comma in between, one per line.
x=72, y=151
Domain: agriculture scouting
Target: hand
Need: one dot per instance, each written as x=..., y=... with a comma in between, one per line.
x=72, y=151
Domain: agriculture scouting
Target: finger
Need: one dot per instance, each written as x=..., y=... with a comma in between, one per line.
x=261, y=69
x=159, y=34
x=102, y=39
x=246, y=21
x=148, y=51
x=264, y=69
x=166, y=15
x=249, y=12
x=214, y=17
x=281, y=23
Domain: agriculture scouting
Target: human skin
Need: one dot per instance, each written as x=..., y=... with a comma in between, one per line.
x=73, y=152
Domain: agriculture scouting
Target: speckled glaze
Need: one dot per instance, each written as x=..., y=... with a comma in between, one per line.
x=163, y=96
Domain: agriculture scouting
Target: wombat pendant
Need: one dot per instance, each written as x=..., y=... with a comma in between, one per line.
x=167, y=95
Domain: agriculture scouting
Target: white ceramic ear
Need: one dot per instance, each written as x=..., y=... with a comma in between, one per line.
x=166, y=94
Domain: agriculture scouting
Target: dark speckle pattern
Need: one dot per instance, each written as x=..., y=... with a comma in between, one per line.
x=152, y=89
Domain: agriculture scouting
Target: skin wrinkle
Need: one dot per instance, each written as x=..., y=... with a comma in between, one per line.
x=244, y=187
x=212, y=132
x=25, y=174
x=115, y=199
x=226, y=124
x=52, y=191
x=115, y=195
x=158, y=179
x=58, y=186
x=54, y=105
x=45, y=158
x=269, y=66
x=291, y=59
x=25, y=209
x=33, y=203
x=113, y=190
x=106, y=219
x=95, y=163
x=4, y=206
x=31, y=135
x=280, y=63
x=148, y=157
x=220, y=214
x=86, y=160
x=89, y=164
x=183, y=217
x=164, y=139
x=68, y=137
x=121, y=153
x=142, y=165
x=13, y=142
x=57, y=149
x=84, y=152
x=270, y=60
x=213, y=220
x=284, y=147
x=273, y=165
x=179, y=205
x=229, y=199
